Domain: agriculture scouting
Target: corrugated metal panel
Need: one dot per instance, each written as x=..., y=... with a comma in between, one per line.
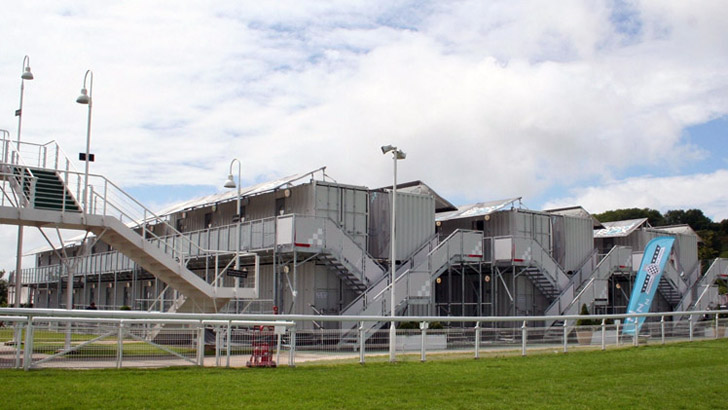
x=579, y=241
x=345, y=205
x=415, y=223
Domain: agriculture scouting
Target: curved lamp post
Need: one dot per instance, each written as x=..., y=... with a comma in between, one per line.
x=25, y=75
x=230, y=183
x=86, y=98
x=396, y=155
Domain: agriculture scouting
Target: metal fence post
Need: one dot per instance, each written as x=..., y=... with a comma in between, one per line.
x=524, y=336
x=28, y=348
x=716, y=325
x=227, y=350
x=618, y=323
x=292, y=351
x=566, y=336
x=18, y=339
x=120, y=345
x=662, y=329
x=690, y=322
x=200, y=344
x=423, y=335
x=604, y=334
x=477, y=340
x=218, y=342
x=361, y=342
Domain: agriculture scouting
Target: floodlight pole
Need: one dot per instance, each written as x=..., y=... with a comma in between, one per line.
x=26, y=75
x=229, y=184
x=87, y=98
x=396, y=155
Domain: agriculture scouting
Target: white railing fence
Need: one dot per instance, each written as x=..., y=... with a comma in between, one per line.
x=45, y=338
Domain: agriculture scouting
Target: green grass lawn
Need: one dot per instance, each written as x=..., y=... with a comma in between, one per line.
x=685, y=375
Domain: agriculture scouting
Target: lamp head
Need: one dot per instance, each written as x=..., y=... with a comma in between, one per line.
x=27, y=75
x=387, y=148
x=401, y=154
x=83, y=98
x=230, y=183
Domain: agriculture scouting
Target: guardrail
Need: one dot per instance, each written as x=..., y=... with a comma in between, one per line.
x=42, y=338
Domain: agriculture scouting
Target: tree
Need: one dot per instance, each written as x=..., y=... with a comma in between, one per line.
x=693, y=217
x=3, y=292
x=654, y=217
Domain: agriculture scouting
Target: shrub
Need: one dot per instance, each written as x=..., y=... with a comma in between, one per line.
x=586, y=322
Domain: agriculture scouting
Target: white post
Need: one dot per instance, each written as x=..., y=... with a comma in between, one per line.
x=361, y=342
x=19, y=255
x=477, y=340
x=28, y=348
x=524, y=336
x=120, y=345
x=200, y=344
x=292, y=350
x=85, y=98
x=662, y=329
x=716, y=325
x=604, y=334
x=566, y=349
x=393, y=264
x=423, y=334
x=227, y=363
x=617, y=323
x=18, y=342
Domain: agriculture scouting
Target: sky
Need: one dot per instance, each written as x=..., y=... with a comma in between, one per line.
x=603, y=104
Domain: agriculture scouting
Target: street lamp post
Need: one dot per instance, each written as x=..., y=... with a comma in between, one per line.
x=396, y=155
x=25, y=75
x=230, y=183
x=86, y=97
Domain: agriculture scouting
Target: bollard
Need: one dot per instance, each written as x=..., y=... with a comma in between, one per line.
x=566, y=336
x=604, y=334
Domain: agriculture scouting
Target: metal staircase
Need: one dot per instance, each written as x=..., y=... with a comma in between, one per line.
x=594, y=287
x=47, y=188
x=334, y=247
x=413, y=283
x=541, y=268
x=704, y=292
x=48, y=200
x=672, y=286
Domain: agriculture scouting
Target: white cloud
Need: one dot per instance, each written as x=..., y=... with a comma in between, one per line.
x=698, y=191
x=489, y=99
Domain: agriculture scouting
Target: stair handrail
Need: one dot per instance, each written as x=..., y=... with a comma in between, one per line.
x=17, y=160
x=442, y=244
x=400, y=270
x=144, y=215
x=364, y=258
x=428, y=261
x=553, y=276
x=709, y=277
x=614, y=252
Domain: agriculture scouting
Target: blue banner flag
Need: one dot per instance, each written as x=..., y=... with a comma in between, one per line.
x=657, y=253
